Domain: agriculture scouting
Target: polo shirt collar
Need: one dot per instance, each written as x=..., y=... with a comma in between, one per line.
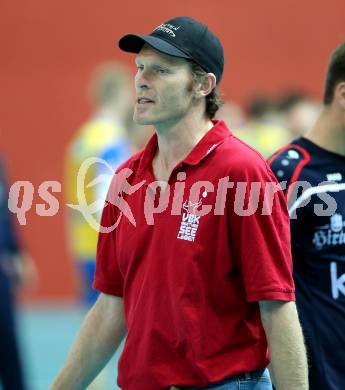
x=213, y=138
x=208, y=143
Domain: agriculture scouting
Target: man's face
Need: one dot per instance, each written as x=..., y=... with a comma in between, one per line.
x=163, y=89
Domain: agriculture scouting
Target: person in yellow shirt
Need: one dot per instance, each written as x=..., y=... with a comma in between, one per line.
x=103, y=136
x=263, y=129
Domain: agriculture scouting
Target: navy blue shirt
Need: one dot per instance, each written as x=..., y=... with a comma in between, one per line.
x=314, y=181
x=8, y=240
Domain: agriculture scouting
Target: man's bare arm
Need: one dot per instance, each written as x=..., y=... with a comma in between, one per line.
x=100, y=335
x=289, y=365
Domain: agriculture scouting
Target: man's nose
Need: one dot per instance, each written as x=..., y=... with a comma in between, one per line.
x=141, y=81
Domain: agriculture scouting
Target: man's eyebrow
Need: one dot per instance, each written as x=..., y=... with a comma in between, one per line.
x=161, y=62
x=156, y=64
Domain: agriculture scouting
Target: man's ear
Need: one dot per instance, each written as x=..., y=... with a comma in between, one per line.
x=207, y=84
x=339, y=95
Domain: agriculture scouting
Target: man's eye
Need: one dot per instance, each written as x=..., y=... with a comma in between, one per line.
x=140, y=67
x=162, y=71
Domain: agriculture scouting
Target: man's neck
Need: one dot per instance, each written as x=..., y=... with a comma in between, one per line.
x=177, y=141
x=329, y=132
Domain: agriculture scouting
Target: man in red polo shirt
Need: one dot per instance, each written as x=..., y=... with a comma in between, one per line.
x=194, y=254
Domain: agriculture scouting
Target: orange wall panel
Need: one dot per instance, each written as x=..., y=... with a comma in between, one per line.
x=48, y=49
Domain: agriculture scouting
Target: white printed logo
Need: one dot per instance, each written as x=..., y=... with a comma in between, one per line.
x=190, y=220
x=334, y=177
x=211, y=148
x=338, y=284
x=167, y=28
x=330, y=235
x=293, y=154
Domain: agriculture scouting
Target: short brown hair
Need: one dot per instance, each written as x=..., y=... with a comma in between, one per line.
x=335, y=72
x=213, y=100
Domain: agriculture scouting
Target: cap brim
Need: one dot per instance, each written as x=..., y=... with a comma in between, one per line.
x=133, y=43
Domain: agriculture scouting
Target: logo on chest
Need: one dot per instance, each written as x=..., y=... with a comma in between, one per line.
x=334, y=176
x=190, y=220
x=331, y=234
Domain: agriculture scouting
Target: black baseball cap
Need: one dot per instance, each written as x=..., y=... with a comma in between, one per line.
x=182, y=37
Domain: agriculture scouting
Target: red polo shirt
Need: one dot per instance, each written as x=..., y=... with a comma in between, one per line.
x=191, y=282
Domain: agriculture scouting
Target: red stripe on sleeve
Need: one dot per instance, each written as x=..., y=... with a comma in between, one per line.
x=300, y=165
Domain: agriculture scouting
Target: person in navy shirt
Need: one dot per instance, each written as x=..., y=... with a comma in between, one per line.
x=11, y=377
x=312, y=172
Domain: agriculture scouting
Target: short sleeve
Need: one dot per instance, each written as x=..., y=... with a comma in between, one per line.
x=260, y=239
x=108, y=278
